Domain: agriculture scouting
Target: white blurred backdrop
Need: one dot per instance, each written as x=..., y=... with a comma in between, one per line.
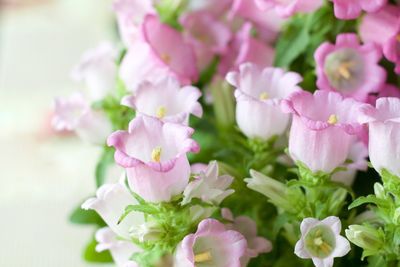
x=42, y=177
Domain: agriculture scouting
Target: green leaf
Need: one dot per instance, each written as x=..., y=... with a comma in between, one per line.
x=107, y=157
x=81, y=216
x=91, y=255
x=371, y=199
x=146, y=208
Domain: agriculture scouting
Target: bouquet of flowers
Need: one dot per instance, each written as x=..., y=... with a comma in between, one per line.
x=241, y=131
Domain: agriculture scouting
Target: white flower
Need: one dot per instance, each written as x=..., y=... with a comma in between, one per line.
x=149, y=231
x=321, y=241
x=209, y=187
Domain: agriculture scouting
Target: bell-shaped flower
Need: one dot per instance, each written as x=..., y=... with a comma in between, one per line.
x=258, y=94
x=161, y=51
x=245, y=48
x=248, y=228
x=211, y=245
x=209, y=186
x=98, y=69
x=321, y=241
x=154, y=156
x=110, y=203
x=388, y=90
x=345, y=9
x=121, y=250
x=288, y=8
x=130, y=16
x=75, y=114
x=384, y=134
x=216, y=8
x=349, y=68
x=208, y=36
x=387, y=23
x=165, y=100
x=323, y=128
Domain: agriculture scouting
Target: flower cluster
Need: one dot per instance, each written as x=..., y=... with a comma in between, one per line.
x=294, y=94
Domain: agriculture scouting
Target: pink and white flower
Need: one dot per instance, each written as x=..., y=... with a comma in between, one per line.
x=110, y=203
x=386, y=22
x=208, y=36
x=388, y=90
x=288, y=8
x=98, y=70
x=258, y=94
x=321, y=241
x=130, y=16
x=349, y=68
x=384, y=132
x=209, y=186
x=211, y=245
x=154, y=156
x=248, y=228
x=75, y=114
x=161, y=51
x=323, y=128
x=121, y=250
x=216, y=8
x=345, y=9
x=166, y=100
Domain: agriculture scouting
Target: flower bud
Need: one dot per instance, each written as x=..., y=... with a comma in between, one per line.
x=365, y=237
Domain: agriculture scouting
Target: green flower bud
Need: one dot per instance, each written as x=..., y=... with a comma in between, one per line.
x=365, y=237
x=379, y=191
x=224, y=102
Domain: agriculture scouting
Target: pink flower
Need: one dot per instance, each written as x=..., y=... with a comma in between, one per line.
x=161, y=51
x=211, y=245
x=323, y=128
x=98, y=70
x=288, y=8
x=258, y=95
x=75, y=114
x=245, y=48
x=386, y=22
x=207, y=35
x=121, y=250
x=166, y=100
x=387, y=90
x=345, y=9
x=154, y=156
x=130, y=15
x=349, y=68
x=110, y=203
x=384, y=132
x=248, y=228
x=217, y=8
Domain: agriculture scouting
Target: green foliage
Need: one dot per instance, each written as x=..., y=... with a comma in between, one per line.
x=106, y=160
x=91, y=255
x=80, y=216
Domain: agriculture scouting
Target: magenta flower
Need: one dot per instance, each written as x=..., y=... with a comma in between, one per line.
x=161, y=51
x=288, y=8
x=323, y=128
x=211, y=245
x=384, y=132
x=166, y=100
x=98, y=70
x=258, y=95
x=349, y=68
x=130, y=15
x=387, y=23
x=245, y=48
x=217, y=8
x=207, y=35
x=154, y=156
x=345, y=9
x=248, y=228
x=75, y=114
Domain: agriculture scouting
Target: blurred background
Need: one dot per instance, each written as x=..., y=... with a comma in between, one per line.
x=42, y=176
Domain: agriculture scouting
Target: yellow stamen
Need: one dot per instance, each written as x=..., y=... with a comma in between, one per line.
x=156, y=154
x=318, y=241
x=333, y=119
x=344, y=71
x=166, y=58
x=202, y=257
x=325, y=248
x=263, y=96
x=161, y=112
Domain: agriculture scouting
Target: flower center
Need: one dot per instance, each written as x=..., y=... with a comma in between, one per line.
x=344, y=69
x=203, y=257
x=156, y=154
x=320, y=241
x=333, y=119
x=161, y=112
x=263, y=96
